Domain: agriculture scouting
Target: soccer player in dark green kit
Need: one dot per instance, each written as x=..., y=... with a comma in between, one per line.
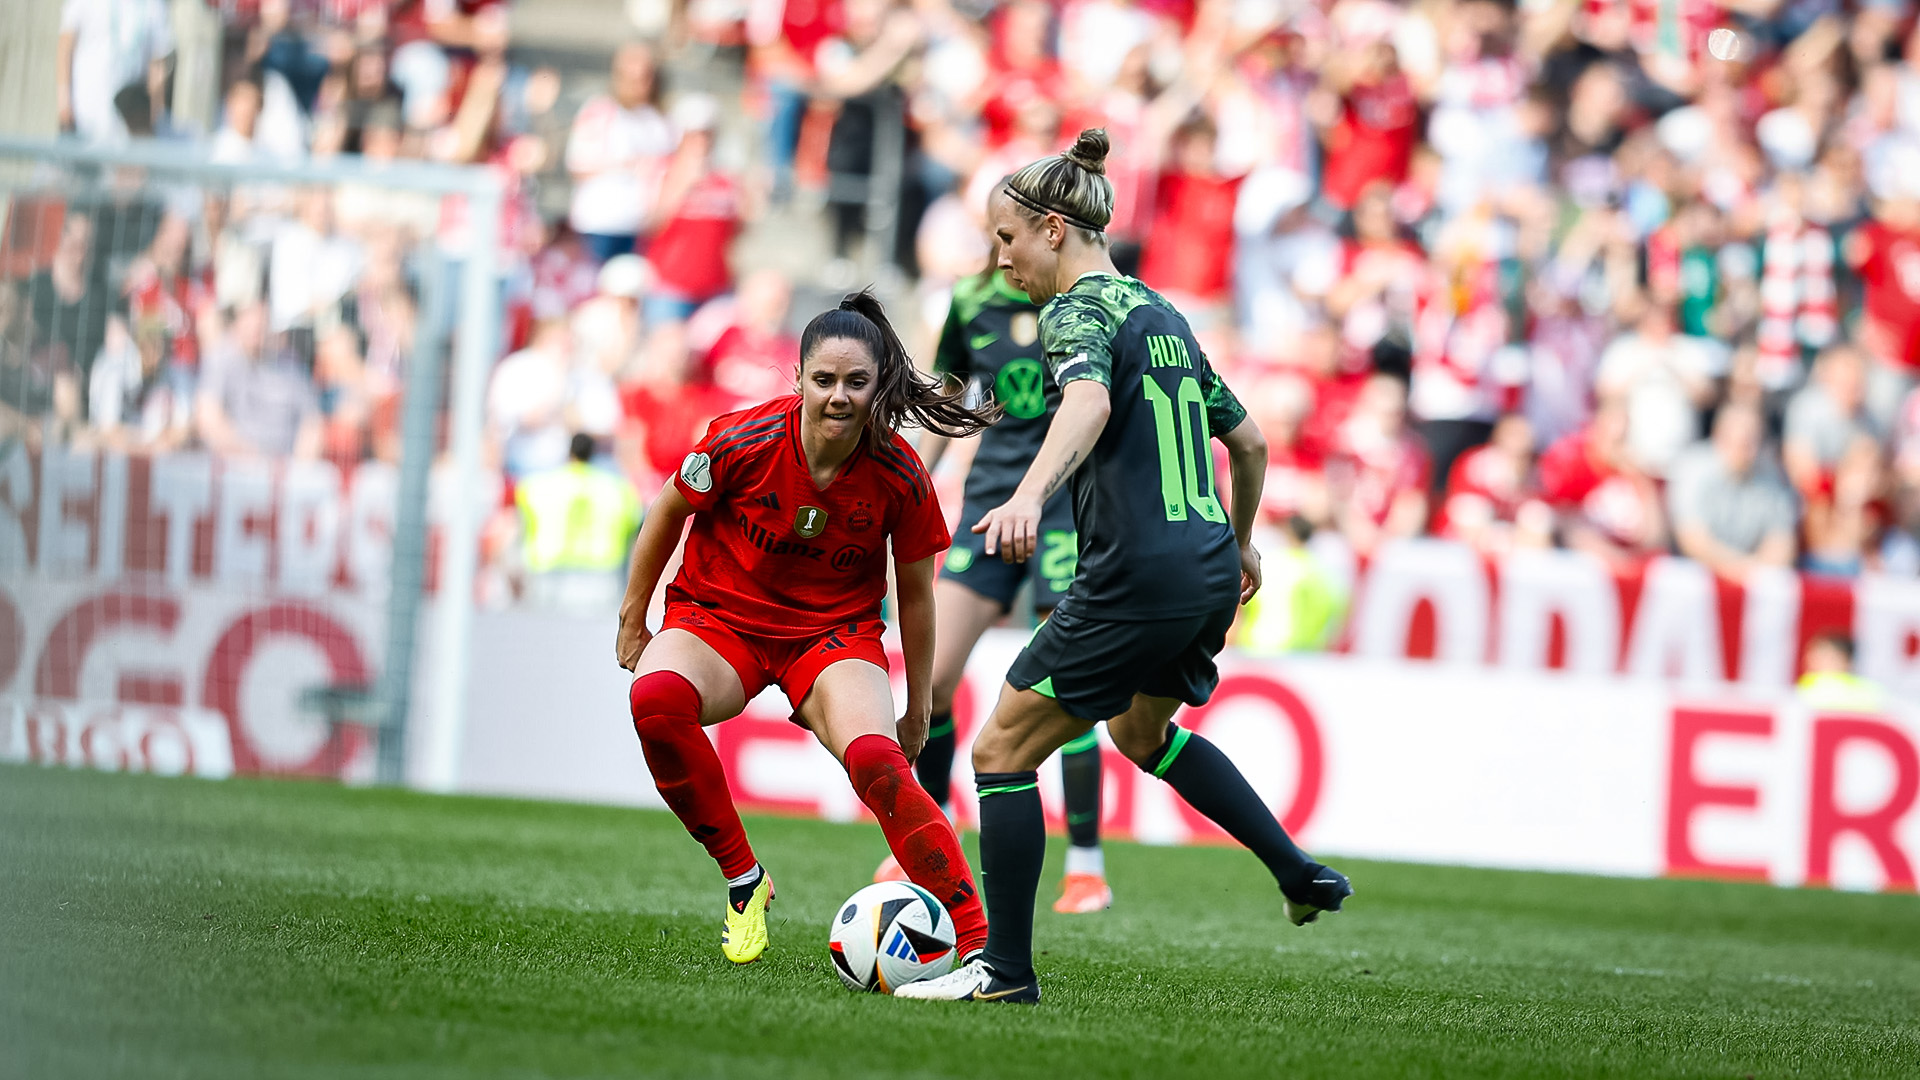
x=991, y=338
x=1163, y=565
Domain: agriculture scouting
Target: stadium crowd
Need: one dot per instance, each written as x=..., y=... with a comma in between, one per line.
x=1625, y=276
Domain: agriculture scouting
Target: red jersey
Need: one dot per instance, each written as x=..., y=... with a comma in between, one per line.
x=1483, y=486
x=1576, y=480
x=778, y=557
x=1890, y=269
x=1373, y=140
x=689, y=253
x=1190, y=249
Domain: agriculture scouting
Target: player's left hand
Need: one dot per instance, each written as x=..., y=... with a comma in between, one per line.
x=1012, y=529
x=1249, y=572
x=912, y=730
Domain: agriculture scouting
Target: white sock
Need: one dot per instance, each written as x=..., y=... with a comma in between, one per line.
x=748, y=878
x=1086, y=860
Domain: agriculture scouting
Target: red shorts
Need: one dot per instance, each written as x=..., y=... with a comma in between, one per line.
x=789, y=663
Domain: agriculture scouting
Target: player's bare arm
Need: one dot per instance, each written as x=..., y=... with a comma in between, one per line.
x=915, y=584
x=666, y=519
x=1247, y=459
x=1013, y=528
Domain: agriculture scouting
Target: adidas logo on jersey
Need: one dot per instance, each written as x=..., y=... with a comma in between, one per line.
x=769, y=500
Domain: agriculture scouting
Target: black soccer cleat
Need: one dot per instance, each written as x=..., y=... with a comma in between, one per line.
x=1326, y=889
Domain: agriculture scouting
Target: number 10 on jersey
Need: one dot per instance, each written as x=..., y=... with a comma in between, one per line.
x=1183, y=458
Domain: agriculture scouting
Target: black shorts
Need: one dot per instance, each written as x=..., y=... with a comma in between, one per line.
x=1051, y=567
x=1094, y=667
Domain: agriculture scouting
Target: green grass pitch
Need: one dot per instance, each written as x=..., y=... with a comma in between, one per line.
x=162, y=928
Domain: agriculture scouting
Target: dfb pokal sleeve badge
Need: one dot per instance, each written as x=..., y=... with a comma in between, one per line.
x=697, y=471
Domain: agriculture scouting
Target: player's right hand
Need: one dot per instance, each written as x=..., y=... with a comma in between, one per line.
x=631, y=641
x=1249, y=572
x=1012, y=529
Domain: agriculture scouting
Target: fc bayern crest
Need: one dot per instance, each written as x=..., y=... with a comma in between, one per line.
x=697, y=471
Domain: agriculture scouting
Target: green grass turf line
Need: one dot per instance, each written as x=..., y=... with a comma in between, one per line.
x=160, y=928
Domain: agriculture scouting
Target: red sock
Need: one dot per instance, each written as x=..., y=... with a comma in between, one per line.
x=922, y=839
x=666, y=715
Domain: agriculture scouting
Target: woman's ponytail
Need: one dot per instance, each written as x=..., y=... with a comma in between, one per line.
x=902, y=393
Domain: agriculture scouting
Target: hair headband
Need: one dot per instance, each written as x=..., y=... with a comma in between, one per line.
x=1039, y=207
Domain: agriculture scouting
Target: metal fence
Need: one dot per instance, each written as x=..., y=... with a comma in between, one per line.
x=240, y=459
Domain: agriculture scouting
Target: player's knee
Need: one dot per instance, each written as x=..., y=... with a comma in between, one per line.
x=1140, y=745
x=663, y=701
x=992, y=751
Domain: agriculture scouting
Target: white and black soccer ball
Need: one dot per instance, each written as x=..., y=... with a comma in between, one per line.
x=889, y=935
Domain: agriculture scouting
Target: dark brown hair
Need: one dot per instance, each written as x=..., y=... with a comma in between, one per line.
x=903, y=394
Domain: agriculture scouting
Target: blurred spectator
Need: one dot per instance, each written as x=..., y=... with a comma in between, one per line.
x=1193, y=226
x=577, y=523
x=755, y=359
x=1665, y=380
x=27, y=374
x=1846, y=512
x=1730, y=508
x=665, y=413
x=111, y=67
x=1825, y=418
x=136, y=400
x=1296, y=462
x=341, y=389
x=68, y=302
x=616, y=153
x=239, y=118
x=256, y=398
x=1300, y=605
x=527, y=401
x=1828, y=681
x=312, y=266
x=1370, y=126
x=165, y=292
x=1605, y=504
x=606, y=325
x=1377, y=474
x=699, y=213
x=1493, y=499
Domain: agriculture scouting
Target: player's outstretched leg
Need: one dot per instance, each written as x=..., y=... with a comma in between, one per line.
x=1084, y=889
x=666, y=716
x=934, y=767
x=920, y=836
x=1211, y=784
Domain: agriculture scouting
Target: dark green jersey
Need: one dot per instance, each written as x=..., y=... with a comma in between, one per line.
x=1155, y=540
x=992, y=337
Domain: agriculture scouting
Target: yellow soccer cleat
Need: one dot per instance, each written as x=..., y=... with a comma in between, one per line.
x=744, y=937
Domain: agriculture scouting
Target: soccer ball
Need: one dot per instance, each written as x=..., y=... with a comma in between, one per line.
x=889, y=935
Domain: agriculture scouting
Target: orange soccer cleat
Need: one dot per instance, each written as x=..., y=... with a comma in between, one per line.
x=889, y=871
x=1082, y=894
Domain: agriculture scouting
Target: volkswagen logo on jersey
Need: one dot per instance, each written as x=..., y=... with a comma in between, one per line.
x=697, y=472
x=809, y=522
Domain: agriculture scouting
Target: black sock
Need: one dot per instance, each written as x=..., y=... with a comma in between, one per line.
x=934, y=766
x=1080, y=775
x=738, y=895
x=1013, y=844
x=1212, y=785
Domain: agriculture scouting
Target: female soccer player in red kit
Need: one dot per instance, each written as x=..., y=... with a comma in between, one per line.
x=793, y=503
